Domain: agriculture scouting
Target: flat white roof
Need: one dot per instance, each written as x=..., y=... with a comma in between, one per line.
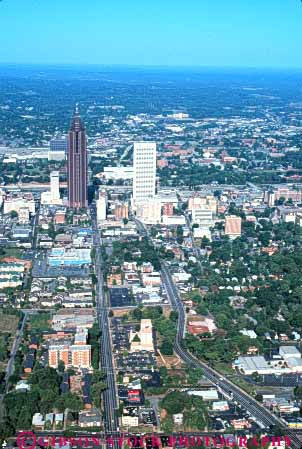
x=254, y=363
x=289, y=351
x=293, y=362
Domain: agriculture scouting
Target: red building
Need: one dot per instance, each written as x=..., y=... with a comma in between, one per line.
x=233, y=226
x=168, y=209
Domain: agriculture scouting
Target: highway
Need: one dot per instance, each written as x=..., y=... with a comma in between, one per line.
x=110, y=402
x=257, y=410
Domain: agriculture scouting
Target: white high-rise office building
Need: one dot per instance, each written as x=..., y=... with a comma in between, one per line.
x=101, y=206
x=144, y=171
x=52, y=196
x=54, y=186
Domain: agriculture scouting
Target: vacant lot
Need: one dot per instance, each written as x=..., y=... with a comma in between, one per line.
x=8, y=329
x=8, y=323
x=39, y=321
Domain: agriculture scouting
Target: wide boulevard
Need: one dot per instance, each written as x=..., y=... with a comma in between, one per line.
x=110, y=403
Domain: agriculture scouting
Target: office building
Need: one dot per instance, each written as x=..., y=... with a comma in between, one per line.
x=81, y=336
x=90, y=418
x=58, y=143
x=288, y=194
x=54, y=185
x=101, y=206
x=143, y=339
x=233, y=226
x=168, y=196
x=52, y=196
x=168, y=209
x=174, y=220
x=130, y=421
x=203, y=217
x=58, y=147
x=144, y=171
x=17, y=201
x=121, y=211
x=24, y=215
x=199, y=202
x=77, y=164
x=149, y=212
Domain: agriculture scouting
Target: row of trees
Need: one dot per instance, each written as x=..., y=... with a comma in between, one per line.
x=93, y=340
x=193, y=175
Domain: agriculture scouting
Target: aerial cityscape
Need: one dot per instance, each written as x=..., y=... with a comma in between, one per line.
x=150, y=239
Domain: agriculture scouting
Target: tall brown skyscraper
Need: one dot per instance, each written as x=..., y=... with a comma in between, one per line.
x=77, y=163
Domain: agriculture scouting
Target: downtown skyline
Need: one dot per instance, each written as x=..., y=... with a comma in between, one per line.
x=167, y=302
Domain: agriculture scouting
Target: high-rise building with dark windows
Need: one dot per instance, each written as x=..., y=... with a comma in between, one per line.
x=77, y=163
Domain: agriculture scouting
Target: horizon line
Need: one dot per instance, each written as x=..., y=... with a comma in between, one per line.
x=149, y=66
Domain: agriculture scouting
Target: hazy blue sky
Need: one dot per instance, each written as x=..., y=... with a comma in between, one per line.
x=153, y=32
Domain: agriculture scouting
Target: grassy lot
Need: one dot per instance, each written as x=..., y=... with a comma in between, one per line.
x=224, y=368
x=8, y=329
x=39, y=321
x=244, y=385
x=12, y=252
x=8, y=323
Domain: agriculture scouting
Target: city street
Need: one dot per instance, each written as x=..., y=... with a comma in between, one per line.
x=10, y=364
x=110, y=403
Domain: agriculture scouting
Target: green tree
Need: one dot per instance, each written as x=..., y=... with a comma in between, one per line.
x=72, y=401
x=166, y=348
x=13, y=214
x=173, y=403
x=61, y=366
x=298, y=392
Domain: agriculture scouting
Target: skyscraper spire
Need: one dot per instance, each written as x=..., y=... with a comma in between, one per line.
x=76, y=123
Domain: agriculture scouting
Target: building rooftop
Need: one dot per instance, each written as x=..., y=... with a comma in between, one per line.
x=254, y=363
x=289, y=351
